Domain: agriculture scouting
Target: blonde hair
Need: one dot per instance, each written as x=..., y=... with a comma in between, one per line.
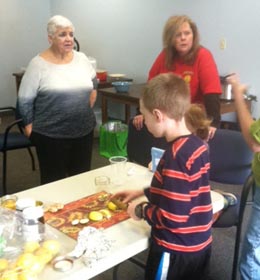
x=56, y=22
x=170, y=31
x=197, y=121
x=168, y=93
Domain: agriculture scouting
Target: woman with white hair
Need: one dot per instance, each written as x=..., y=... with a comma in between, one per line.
x=55, y=100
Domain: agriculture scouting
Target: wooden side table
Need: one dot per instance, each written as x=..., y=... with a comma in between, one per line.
x=228, y=106
x=131, y=98
x=106, y=84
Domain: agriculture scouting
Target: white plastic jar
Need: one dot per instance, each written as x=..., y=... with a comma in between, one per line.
x=33, y=223
x=21, y=204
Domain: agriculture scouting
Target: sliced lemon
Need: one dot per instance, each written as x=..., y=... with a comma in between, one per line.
x=106, y=213
x=75, y=222
x=111, y=206
x=84, y=221
x=95, y=216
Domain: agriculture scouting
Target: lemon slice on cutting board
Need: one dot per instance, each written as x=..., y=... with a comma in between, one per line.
x=95, y=216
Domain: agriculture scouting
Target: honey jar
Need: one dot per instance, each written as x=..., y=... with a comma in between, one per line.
x=9, y=201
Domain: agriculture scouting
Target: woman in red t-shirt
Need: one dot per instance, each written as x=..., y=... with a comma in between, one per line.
x=183, y=55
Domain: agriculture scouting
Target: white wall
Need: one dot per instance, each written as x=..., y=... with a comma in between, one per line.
x=22, y=35
x=125, y=36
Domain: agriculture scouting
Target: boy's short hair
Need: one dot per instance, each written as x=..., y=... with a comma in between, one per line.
x=168, y=93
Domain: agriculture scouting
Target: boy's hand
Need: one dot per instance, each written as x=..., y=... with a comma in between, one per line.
x=150, y=166
x=127, y=195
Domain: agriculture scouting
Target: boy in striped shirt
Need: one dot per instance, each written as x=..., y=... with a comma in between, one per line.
x=178, y=206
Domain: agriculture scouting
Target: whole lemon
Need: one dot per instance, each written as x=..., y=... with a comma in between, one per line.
x=25, y=261
x=10, y=274
x=38, y=266
x=27, y=275
x=43, y=255
x=3, y=264
x=31, y=246
x=53, y=246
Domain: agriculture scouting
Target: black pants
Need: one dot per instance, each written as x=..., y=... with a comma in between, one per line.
x=60, y=158
x=141, y=152
x=181, y=267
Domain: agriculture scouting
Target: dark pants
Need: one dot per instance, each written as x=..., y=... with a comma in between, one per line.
x=141, y=152
x=60, y=158
x=181, y=267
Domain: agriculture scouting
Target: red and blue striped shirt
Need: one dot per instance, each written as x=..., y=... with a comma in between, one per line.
x=180, y=208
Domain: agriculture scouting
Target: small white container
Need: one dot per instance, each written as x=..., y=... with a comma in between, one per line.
x=62, y=263
x=21, y=204
x=33, y=223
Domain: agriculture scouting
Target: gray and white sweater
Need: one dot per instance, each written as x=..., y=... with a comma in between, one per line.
x=55, y=97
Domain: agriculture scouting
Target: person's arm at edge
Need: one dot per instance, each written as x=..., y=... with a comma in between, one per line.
x=92, y=98
x=27, y=94
x=244, y=116
x=93, y=94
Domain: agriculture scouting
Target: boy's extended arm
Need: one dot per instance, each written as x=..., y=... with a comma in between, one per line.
x=244, y=116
